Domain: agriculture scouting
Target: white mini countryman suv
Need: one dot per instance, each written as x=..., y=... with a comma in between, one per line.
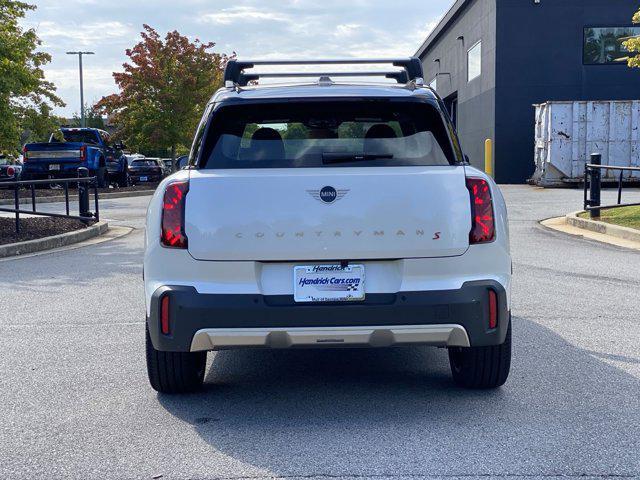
x=327, y=214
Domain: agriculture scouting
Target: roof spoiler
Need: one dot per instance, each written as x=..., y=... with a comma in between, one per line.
x=411, y=69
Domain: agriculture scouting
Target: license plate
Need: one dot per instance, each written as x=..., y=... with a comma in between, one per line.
x=54, y=166
x=144, y=179
x=328, y=283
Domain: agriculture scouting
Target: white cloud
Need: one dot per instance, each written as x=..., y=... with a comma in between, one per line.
x=83, y=34
x=252, y=28
x=227, y=16
x=346, y=29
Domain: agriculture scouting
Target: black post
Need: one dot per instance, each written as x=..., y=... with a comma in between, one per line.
x=16, y=201
x=66, y=196
x=33, y=197
x=595, y=185
x=620, y=188
x=83, y=193
x=96, y=214
x=587, y=172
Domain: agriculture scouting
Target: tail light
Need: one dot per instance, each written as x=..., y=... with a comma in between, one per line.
x=173, y=205
x=83, y=153
x=164, y=315
x=25, y=154
x=493, y=309
x=11, y=171
x=483, y=223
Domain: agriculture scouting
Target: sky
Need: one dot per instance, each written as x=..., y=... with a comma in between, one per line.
x=251, y=28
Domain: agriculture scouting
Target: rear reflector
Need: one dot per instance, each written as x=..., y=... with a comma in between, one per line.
x=483, y=223
x=164, y=315
x=173, y=204
x=493, y=309
x=83, y=153
x=11, y=171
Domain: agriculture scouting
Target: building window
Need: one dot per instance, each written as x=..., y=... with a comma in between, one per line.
x=605, y=44
x=434, y=83
x=474, y=61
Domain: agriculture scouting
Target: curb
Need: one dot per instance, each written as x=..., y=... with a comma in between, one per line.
x=625, y=233
x=56, y=199
x=55, y=241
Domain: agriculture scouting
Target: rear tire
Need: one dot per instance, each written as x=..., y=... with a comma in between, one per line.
x=481, y=367
x=102, y=177
x=123, y=181
x=175, y=372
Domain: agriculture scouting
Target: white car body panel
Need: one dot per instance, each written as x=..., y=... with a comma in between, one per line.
x=277, y=215
x=165, y=266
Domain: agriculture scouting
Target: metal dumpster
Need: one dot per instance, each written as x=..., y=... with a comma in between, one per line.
x=566, y=133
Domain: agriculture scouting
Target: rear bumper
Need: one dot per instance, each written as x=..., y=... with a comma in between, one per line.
x=374, y=336
x=66, y=171
x=151, y=177
x=217, y=321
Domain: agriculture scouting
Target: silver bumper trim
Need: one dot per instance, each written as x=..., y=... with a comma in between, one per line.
x=445, y=335
x=68, y=154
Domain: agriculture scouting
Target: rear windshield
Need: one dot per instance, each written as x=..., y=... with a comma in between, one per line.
x=80, y=136
x=327, y=134
x=144, y=163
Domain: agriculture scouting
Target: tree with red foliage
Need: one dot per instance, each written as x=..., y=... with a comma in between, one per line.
x=163, y=90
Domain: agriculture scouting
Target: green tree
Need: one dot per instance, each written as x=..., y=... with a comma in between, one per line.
x=163, y=90
x=38, y=123
x=92, y=116
x=24, y=92
x=633, y=45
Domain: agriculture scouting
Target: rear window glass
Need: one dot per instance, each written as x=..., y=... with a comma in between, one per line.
x=326, y=134
x=80, y=136
x=144, y=163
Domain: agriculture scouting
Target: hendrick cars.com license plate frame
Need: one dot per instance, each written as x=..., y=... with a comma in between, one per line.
x=328, y=283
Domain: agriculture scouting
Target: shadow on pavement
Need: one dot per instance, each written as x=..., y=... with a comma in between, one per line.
x=397, y=411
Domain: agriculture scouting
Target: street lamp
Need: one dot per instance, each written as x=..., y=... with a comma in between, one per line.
x=82, y=120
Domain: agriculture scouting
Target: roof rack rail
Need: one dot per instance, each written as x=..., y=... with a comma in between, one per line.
x=412, y=69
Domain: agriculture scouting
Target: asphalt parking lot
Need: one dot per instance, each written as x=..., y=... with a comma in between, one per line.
x=76, y=402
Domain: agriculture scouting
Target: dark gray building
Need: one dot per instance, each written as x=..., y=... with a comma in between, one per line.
x=491, y=60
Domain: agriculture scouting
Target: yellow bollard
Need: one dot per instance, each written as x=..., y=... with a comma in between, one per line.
x=488, y=157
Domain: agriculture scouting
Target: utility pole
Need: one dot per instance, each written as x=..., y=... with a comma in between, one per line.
x=82, y=119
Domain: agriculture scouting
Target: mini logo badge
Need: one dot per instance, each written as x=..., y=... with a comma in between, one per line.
x=328, y=194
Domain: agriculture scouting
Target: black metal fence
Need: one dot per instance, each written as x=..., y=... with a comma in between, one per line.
x=84, y=183
x=593, y=185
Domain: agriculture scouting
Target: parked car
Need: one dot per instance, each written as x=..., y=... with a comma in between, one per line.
x=182, y=161
x=168, y=166
x=130, y=157
x=327, y=215
x=71, y=148
x=9, y=169
x=160, y=163
x=144, y=170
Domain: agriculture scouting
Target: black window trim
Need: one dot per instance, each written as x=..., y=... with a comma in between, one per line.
x=434, y=102
x=614, y=25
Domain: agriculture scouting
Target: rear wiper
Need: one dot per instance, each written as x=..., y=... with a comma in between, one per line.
x=336, y=157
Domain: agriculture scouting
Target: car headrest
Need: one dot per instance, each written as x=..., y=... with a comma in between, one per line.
x=380, y=130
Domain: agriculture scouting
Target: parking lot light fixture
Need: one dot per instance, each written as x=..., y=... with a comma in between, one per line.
x=80, y=54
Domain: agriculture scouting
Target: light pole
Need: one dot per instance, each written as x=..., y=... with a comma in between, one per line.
x=82, y=120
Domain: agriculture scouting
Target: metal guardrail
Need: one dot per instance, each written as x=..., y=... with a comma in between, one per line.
x=593, y=183
x=84, y=183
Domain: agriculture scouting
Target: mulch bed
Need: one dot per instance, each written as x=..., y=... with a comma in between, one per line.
x=54, y=192
x=32, y=228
